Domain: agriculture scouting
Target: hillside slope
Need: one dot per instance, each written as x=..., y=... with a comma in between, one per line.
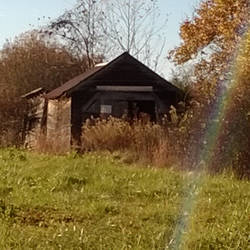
x=99, y=202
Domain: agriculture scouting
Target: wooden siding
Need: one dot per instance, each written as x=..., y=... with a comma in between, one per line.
x=34, y=120
x=59, y=121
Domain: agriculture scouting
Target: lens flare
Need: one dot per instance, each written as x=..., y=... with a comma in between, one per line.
x=216, y=122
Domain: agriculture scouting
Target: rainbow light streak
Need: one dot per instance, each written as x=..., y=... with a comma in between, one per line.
x=219, y=111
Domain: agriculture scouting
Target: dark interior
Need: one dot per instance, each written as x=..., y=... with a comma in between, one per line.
x=137, y=108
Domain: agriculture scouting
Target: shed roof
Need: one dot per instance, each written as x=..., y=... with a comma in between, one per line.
x=34, y=93
x=56, y=93
x=124, y=69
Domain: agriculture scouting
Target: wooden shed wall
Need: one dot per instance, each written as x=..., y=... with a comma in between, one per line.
x=34, y=121
x=59, y=122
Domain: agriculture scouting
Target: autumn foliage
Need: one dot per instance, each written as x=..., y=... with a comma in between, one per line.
x=29, y=62
x=213, y=39
x=235, y=137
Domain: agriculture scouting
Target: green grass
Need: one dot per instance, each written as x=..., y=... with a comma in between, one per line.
x=99, y=202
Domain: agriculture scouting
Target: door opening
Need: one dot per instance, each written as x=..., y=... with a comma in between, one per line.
x=138, y=109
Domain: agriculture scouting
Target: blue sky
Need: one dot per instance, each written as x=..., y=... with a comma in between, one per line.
x=17, y=16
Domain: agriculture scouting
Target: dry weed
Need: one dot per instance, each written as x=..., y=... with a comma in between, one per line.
x=146, y=141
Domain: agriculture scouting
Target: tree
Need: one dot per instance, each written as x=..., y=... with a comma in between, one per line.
x=211, y=37
x=26, y=64
x=32, y=61
x=234, y=139
x=104, y=28
x=81, y=30
x=134, y=26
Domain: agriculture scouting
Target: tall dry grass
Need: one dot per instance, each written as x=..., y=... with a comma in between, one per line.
x=56, y=144
x=144, y=140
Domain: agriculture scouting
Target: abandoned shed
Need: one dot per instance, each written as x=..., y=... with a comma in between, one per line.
x=34, y=121
x=123, y=86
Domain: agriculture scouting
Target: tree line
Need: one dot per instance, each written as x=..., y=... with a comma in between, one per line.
x=94, y=31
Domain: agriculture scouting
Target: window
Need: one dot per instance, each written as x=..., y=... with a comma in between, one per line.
x=106, y=109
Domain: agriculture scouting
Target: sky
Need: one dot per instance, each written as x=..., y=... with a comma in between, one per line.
x=18, y=16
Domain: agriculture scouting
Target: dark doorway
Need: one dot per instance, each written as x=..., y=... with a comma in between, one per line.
x=137, y=108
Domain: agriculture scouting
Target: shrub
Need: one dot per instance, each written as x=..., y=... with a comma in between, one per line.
x=106, y=134
x=144, y=140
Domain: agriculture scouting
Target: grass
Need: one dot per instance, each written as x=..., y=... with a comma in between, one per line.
x=143, y=140
x=99, y=202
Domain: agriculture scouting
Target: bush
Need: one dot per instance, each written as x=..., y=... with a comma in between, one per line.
x=106, y=134
x=144, y=140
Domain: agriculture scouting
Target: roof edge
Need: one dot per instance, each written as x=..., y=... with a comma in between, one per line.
x=72, y=84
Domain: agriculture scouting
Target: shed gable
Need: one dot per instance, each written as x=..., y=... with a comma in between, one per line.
x=124, y=70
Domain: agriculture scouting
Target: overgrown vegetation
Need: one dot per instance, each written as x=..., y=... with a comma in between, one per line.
x=210, y=39
x=104, y=199
x=141, y=139
x=237, y=119
x=31, y=61
x=99, y=202
x=215, y=38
